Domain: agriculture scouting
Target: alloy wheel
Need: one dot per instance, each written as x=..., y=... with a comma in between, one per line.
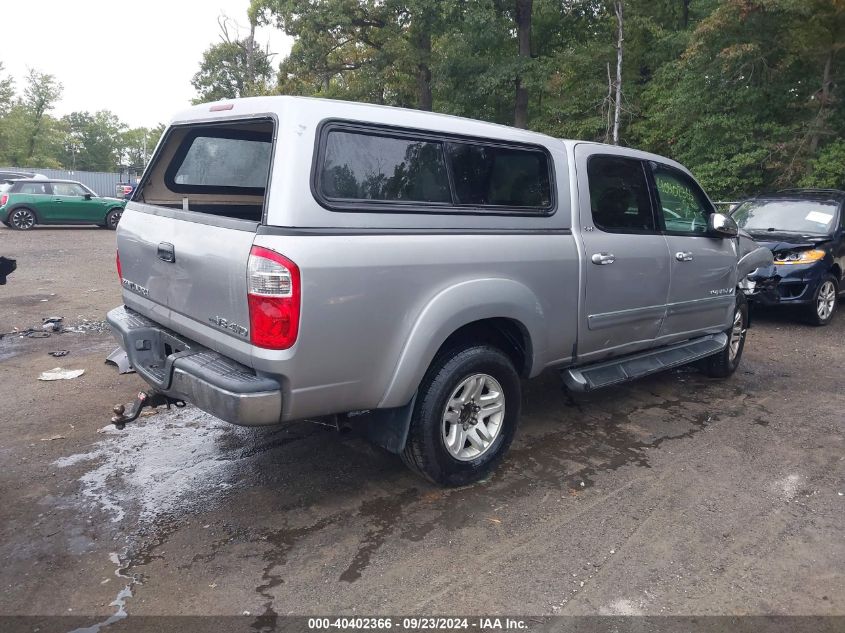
x=473, y=417
x=737, y=334
x=826, y=300
x=22, y=219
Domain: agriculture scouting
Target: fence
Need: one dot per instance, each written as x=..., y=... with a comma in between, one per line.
x=103, y=182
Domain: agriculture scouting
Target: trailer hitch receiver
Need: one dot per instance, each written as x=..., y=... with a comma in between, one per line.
x=130, y=412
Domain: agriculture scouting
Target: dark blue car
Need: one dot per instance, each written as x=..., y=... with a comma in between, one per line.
x=805, y=230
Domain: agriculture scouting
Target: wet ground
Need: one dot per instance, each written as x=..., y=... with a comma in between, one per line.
x=675, y=495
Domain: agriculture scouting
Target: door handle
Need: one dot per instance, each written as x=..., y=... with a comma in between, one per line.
x=602, y=259
x=166, y=252
x=683, y=256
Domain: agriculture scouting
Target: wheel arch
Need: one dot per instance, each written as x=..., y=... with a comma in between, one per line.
x=503, y=312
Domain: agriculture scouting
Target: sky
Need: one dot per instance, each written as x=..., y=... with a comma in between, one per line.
x=133, y=58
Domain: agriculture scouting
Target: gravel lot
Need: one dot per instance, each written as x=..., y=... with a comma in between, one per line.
x=674, y=495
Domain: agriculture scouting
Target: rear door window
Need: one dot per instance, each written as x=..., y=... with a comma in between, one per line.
x=619, y=195
x=35, y=187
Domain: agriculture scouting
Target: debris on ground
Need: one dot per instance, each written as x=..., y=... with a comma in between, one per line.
x=59, y=353
x=120, y=359
x=52, y=437
x=57, y=373
x=51, y=324
x=30, y=333
x=86, y=326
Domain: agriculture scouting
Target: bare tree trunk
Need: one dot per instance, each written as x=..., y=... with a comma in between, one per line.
x=824, y=100
x=609, y=102
x=618, y=8
x=423, y=45
x=524, y=9
x=250, y=59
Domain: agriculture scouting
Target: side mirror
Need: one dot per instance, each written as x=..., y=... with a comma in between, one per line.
x=87, y=196
x=721, y=225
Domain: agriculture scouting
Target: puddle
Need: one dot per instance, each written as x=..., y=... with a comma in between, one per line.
x=167, y=462
x=119, y=601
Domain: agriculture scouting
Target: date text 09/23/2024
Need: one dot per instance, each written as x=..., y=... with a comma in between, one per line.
x=418, y=623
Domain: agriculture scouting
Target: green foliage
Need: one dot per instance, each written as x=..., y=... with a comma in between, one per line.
x=747, y=93
x=827, y=171
x=234, y=67
x=31, y=137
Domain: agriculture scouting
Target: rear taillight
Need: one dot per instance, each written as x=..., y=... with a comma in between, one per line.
x=117, y=262
x=273, y=293
x=4, y=199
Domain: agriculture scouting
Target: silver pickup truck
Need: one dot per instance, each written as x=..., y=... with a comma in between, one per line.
x=287, y=258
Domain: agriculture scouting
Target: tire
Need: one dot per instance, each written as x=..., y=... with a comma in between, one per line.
x=825, y=302
x=22, y=219
x=724, y=363
x=452, y=389
x=112, y=219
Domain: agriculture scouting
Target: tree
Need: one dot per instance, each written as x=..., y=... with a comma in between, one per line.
x=522, y=18
x=618, y=10
x=7, y=91
x=40, y=95
x=137, y=145
x=94, y=141
x=234, y=67
x=379, y=52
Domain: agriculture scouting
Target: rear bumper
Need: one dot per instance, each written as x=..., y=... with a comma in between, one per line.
x=183, y=369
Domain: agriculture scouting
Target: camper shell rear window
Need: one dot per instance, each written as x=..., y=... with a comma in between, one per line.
x=221, y=161
x=220, y=169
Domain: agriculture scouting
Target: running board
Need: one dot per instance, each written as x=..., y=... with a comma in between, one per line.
x=635, y=366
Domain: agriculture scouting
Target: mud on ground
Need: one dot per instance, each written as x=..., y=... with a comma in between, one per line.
x=674, y=495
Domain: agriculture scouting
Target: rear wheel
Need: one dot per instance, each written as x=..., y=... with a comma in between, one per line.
x=22, y=219
x=825, y=302
x=465, y=416
x=725, y=362
x=112, y=218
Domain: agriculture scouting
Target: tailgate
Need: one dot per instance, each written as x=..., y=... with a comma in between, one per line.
x=188, y=275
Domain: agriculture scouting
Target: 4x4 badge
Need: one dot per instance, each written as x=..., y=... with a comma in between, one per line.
x=226, y=324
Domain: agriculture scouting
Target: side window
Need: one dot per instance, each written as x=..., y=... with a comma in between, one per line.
x=684, y=207
x=499, y=176
x=37, y=188
x=368, y=167
x=68, y=189
x=619, y=197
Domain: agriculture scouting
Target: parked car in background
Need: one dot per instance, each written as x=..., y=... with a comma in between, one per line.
x=124, y=189
x=15, y=175
x=435, y=260
x=25, y=203
x=805, y=229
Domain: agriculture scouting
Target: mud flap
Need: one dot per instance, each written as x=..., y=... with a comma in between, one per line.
x=387, y=428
